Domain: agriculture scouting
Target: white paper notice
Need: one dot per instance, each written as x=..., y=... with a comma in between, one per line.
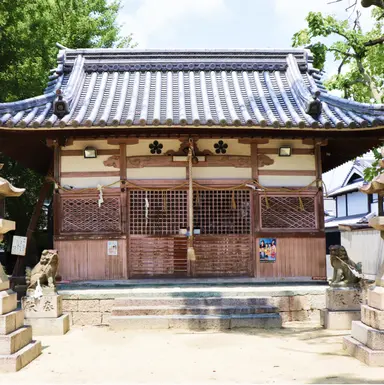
x=112, y=248
x=19, y=245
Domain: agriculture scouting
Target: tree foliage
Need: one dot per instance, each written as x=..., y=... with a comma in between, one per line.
x=30, y=29
x=360, y=55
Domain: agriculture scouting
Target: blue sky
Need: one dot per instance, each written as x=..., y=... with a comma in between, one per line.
x=222, y=23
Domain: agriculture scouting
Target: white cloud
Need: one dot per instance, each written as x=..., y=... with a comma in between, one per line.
x=162, y=17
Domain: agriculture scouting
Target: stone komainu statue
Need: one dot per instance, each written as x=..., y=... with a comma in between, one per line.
x=45, y=271
x=343, y=268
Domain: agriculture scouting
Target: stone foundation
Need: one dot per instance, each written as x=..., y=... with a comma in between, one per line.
x=95, y=307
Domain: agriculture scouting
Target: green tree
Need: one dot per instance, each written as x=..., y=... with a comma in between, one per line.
x=29, y=30
x=361, y=55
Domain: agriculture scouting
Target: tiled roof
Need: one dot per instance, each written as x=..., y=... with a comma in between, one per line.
x=126, y=87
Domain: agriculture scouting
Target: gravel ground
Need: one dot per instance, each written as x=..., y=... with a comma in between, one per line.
x=295, y=354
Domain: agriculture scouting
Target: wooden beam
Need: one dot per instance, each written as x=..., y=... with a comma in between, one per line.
x=253, y=141
x=288, y=172
x=89, y=174
x=81, y=152
x=295, y=151
x=127, y=141
x=321, y=142
x=290, y=234
x=239, y=161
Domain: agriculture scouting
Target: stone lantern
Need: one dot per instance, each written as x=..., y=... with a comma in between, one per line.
x=16, y=346
x=7, y=190
x=367, y=340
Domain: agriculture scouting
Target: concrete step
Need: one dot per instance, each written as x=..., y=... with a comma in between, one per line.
x=17, y=361
x=13, y=342
x=196, y=322
x=242, y=301
x=192, y=310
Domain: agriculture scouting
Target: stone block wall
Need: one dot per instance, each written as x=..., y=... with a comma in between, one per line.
x=89, y=310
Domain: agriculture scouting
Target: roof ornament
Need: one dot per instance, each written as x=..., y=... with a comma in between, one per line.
x=60, y=106
x=315, y=107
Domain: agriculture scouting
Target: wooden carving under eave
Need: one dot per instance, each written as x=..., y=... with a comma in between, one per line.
x=264, y=160
x=113, y=161
x=167, y=161
x=183, y=149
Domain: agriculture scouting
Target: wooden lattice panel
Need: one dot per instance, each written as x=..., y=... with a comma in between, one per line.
x=157, y=256
x=83, y=215
x=222, y=212
x=158, y=212
x=223, y=255
x=286, y=213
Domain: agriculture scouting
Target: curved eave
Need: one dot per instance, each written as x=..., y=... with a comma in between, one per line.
x=220, y=128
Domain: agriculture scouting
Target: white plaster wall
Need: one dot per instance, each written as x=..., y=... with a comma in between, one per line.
x=89, y=182
x=276, y=143
x=285, y=181
x=80, y=164
x=294, y=162
x=341, y=206
x=221, y=173
x=357, y=203
x=157, y=173
x=99, y=144
x=363, y=246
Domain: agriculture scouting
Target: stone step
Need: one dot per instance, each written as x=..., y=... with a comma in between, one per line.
x=11, y=321
x=372, y=317
x=202, y=310
x=196, y=322
x=17, y=361
x=16, y=340
x=372, y=338
x=364, y=354
x=192, y=301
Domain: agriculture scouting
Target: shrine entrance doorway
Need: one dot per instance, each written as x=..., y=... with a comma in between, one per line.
x=158, y=225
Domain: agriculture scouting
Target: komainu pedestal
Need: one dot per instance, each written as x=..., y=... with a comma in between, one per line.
x=366, y=342
x=342, y=307
x=43, y=309
x=16, y=346
x=343, y=298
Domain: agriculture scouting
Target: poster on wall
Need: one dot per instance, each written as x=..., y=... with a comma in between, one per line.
x=267, y=249
x=112, y=248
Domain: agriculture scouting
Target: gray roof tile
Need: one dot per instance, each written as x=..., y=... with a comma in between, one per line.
x=111, y=87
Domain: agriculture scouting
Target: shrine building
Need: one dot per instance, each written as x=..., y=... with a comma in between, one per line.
x=154, y=153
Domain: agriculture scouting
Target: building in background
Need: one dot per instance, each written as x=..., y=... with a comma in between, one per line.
x=347, y=211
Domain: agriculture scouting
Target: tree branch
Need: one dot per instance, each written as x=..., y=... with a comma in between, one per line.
x=370, y=43
x=345, y=54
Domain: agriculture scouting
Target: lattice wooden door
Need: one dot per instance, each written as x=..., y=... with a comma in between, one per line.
x=156, y=247
x=224, y=246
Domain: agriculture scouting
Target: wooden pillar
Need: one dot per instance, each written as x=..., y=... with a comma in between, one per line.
x=56, y=193
x=124, y=202
x=255, y=208
x=320, y=194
